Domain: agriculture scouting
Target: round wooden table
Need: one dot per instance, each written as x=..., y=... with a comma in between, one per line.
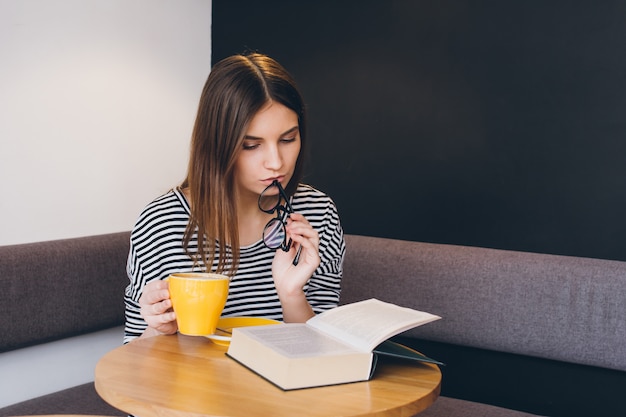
x=188, y=376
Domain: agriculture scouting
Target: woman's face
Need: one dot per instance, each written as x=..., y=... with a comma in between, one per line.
x=271, y=147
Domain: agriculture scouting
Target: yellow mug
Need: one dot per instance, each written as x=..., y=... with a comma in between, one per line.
x=198, y=299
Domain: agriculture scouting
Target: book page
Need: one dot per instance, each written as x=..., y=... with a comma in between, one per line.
x=298, y=340
x=368, y=323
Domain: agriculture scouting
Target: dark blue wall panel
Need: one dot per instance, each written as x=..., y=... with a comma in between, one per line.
x=485, y=123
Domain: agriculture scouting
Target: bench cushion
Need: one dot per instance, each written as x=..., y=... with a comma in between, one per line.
x=82, y=399
x=452, y=407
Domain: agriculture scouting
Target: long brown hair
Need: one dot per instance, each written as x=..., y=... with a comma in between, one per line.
x=236, y=89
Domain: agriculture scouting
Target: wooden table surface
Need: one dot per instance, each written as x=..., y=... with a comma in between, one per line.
x=188, y=376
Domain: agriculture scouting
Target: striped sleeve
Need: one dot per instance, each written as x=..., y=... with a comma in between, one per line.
x=324, y=287
x=156, y=250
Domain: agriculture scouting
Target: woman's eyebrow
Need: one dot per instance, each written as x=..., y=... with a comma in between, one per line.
x=286, y=133
x=290, y=131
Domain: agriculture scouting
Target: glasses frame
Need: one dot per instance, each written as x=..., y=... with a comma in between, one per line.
x=282, y=214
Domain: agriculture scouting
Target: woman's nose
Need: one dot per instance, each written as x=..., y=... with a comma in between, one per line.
x=273, y=158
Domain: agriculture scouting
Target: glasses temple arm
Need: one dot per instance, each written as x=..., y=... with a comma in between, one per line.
x=283, y=194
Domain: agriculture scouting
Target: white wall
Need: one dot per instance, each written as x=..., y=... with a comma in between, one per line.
x=97, y=103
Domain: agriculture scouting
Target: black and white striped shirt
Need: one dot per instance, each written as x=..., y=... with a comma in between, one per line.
x=156, y=251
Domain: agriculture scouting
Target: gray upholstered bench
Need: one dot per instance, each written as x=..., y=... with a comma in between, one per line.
x=62, y=308
x=521, y=333
x=539, y=333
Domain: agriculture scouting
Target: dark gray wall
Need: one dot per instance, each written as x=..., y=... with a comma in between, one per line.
x=485, y=123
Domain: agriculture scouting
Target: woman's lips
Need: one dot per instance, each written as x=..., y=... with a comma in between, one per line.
x=268, y=181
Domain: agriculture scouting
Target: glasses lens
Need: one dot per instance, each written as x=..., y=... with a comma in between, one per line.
x=269, y=199
x=274, y=234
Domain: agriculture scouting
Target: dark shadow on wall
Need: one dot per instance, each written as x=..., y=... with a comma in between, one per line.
x=495, y=124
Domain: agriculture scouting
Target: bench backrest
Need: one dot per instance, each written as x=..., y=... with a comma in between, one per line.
x=56, y=289
x=557, y=307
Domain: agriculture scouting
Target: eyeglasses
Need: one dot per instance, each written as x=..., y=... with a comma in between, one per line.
x=274, y=233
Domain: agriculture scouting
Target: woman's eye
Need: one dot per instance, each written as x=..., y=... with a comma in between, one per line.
x=250, y=146
x=288, y=140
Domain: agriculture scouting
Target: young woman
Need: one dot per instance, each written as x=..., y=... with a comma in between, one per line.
x=250, y=132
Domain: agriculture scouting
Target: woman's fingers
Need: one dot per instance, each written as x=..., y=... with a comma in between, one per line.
x=156, y=307
x=304, y=236
x=298, y=226
x=154, y=292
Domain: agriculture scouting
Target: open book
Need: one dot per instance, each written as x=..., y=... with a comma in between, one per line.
x=333, y=347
